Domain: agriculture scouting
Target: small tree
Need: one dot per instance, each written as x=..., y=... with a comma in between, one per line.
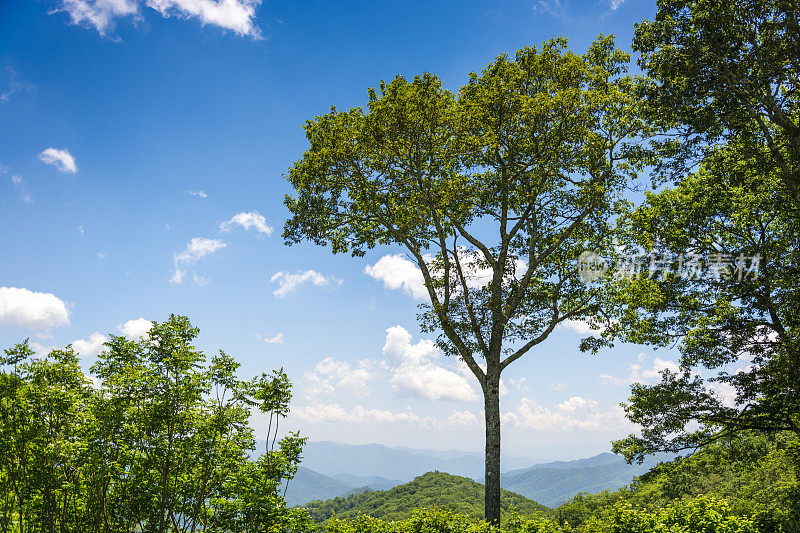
x=160, y=445
x=494, y=193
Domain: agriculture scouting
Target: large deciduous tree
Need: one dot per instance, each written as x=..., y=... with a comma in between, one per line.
x=494, y=192
x=722, y=70
x=724, y=85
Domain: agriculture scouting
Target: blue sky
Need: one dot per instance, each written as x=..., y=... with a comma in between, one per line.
x=141, y=139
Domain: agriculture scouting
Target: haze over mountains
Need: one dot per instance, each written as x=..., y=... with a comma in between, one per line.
x=332, y=469
x=398, y=463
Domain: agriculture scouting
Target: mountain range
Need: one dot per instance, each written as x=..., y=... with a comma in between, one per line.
x=332, y=469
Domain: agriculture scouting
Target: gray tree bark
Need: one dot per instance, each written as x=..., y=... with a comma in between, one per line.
x=491, y=398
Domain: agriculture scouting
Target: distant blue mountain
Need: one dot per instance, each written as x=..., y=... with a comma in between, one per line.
x=331, y=469
x=370, y=482
x=400, y=463
x=308, y=485
x=554, y=483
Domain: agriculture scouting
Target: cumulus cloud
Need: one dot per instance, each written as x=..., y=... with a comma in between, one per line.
x=101, y=14
x=520, y=384
x=59, y=158
x=198, y=194
x=561, y=387
x=234, y=15
x=414, y=371
x=463, y=419
x=397, y=272
x=288, y=282
x=277, y=339
x=330, y=375
x=248, y=220
x=196, y=249
x=91, y=346
x=640, y=374
x=323, y=413
x=40, y=311
x=577, y=413
x=136, y=328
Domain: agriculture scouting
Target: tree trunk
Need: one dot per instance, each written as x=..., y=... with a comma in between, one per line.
x=491, y=398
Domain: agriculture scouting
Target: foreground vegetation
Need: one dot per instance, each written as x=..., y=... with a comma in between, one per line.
x=162, y=444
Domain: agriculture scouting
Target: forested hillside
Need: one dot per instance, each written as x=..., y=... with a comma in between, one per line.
x=434, y=489
x=554, y=483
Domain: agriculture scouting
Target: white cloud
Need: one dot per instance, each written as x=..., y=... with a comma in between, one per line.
x=555, y=8
x=102, y=254
x=561, y=387
x=22, y=189
x=577, y=413
x=520, y=384
x=248, y=220
x=397, y=272
x=579, y=326
x=277, y=339
x=15, y=85
x=235, y=15
x=198, y=194
x=725, y=392
x=414, y=373
x=101, y=14
x=90, y=347
x=196, y=248
x=330, y=375
x=177, y=276
x=463, y=419
x=639, y=374
x=59, y=158
x=616, y=4
x=288, y=282
x=135, y=329
x=39, y=311
x=324, y=413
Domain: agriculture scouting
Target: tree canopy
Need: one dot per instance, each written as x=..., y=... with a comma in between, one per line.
x=494, y=192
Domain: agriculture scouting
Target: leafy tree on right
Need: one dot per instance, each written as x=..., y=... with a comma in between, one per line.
x=723, y=87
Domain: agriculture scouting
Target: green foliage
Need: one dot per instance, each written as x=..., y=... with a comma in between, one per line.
x=516, y=175
x=724, y=88
x=435, y=489
x=755, y=475
x=160, y=445
x=701, y=515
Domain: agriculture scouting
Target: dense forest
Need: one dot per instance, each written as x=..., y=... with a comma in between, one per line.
x=434, y=489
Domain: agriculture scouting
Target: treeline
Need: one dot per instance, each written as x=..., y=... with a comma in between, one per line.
x=156, y=438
